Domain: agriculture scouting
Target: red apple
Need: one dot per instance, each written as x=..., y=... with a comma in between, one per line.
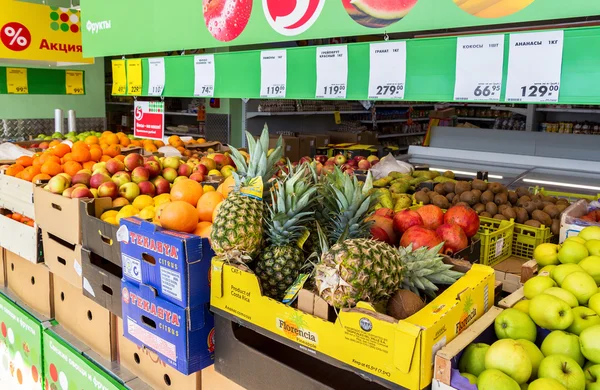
x=197, y=177
x=359, y=158
x=119, y=202
x=454, y=238
x=150, y=158
x=405, y=219
x=121, y=178
x=67, y=193
x=340, y=159
x=330, y=162
x=133, y=161
x=139, y=175
x=184, y=170
x=385, y=212
x=419, y=236
x=113, y=166
x=98, y=179
x=385, y=224
x=153, y=168
x=226, y=19
x=321, y=158
x=201, y=169
x=147, y=188
x=305, y=159
x=432, y=216
x=209, y=163
x=364, y=164
x=108, y=190
x=162, y=185
x=318, y=167
x=81, y=192
x=169, y=174
x=81, y=178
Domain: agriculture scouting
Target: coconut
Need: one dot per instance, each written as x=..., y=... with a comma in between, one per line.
x=403, y=304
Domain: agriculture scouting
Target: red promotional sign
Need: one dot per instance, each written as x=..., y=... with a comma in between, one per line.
x=149, y=120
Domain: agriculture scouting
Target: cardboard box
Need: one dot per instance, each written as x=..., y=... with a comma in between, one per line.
x=85, y=319
x=322, y=140
x=32, y=283
x=58, y=215
x=17, y=195
x=2, y=267
x=98, y=236
x=183, y=338
x=21, y=239
x=570, y=224
x=102, y=281
x=443, y=113
x=21, y=344
x=175, y=264
x=291, y=148
x=404, y=348
x=63, y=258
x=308, y=145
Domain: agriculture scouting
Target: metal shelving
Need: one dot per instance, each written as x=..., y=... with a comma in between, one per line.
x=399, y=135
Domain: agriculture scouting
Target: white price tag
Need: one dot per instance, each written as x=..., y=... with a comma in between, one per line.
x=387, y=75
x=332, y=72
x=479, y=62
x=204, y=81
x=273, y=73
x=534, y=67
x=156, y=76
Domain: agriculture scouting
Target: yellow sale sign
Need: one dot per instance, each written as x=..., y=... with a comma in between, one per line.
x=40, y=33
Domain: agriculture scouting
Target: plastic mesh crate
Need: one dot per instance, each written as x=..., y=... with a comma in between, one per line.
x=496, y=240
x=570, y=196
x=526, y=238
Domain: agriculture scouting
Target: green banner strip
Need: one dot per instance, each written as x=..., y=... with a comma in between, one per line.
x=42, y=81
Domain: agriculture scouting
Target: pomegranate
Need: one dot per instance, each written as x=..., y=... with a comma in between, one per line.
x=405, y=219
x=432, y=216
x=419, y=236
x=454, y=238
x=383, y=229
x=385, y=212
x=464, y=217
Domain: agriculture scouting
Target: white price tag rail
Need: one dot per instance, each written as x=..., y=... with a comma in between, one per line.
x=204, y=75
x=387, y=75
x=332, y=72
x=273, y=73
x=479, y=63
x=534, y=67
x=156, y=76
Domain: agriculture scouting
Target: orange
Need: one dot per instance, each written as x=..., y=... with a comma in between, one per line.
x=203, y=229
x=40, y=177
x=51, y=168
x=61, y=150
x=207, y=204
x=111, y=139
x=95, y=154
x=45, y=157
x=120, y=157
x=113, y=150
x=67, y=157
x=17, y=217
x=159, y=144
x=91, y=139
x=179, y=216
x=124, y=141
x=180, y=148
x=227, y=186
x=105, y=158
x=81, y=155
x=188, y=191
x=105, y=133
x=36, y=162
x=19, y=175
x=79, y=144
x=28, y=173
x=53, y=143
x=136, y=143
x=25, y=161
x=71, y=168
x=89, y=164
x=150, y=148
x=14, y=169
x=172, y=139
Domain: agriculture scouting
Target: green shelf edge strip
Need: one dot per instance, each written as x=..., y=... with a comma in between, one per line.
x=41, y=81
x=430, y=71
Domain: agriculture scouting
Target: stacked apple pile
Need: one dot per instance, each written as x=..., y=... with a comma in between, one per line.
x=561, y=312
x=327, y=164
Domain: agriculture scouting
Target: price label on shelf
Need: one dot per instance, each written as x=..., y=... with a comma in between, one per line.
x=134, y=77
x=387, y=75
x=204, y=68
x=156, y=76
x=16, y=78
x=479, y=62
x=332, y=72
x=273, y=73
x=534, y=67
x=74, y=82
x=119, y=77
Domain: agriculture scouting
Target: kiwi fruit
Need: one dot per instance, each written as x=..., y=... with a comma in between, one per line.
x=439, y=188
x=487, y=196
x=448, y=187
x=522, y=215
x=555, y=228
x=431, y=195
x=463, y=204
x=476, y=195
x=450, y=196
x=513, y=198
x=509, y=213
x=533, y=223
x=543, y=217
x=539, y=204
x=562, y=201
x=522, y=200
x=425, y=189
x=422, y=197
x=552, y=211
x=500, y=216
x=546, y=203
x=522, y=191
x=500, y=198
x=491, y=208
x=479, y=185
x=496, y=188
x=485, y=214
x=468, y=197
x=502, y=207
x=455, y=200
x=441, y=202
x=536, y=197
x=546, y=198
x=561, y=207
x=479, y=208
x=530, y=207
x=462, y=186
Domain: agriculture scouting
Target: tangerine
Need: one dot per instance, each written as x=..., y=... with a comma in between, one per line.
x=40, y=177
x=81, y=154
x=89, y=165
x=25, y=161
x=95, y=154
x=45, y=157
x=207, y=204
x=112, y=150
x=53, y=143
x=203, y=229
x=72, y=167
x=91, y=140
x=188, y=191
x=61, y=149
x=51, y=168
x=14, y=169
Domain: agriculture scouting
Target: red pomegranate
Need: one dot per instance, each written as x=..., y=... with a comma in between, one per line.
x=385, y=212
x=464, y=217
x=419, y=236
x=383, y=229
x=405, y=219
x=432, y=216
x=454, y=238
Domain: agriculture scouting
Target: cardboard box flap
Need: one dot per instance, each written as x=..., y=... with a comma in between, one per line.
x=99, y=236
x=17, y=195
x=197, y=318
x=408, y=338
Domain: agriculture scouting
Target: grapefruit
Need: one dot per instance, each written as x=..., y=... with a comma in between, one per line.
x=179, y=216
x=188, y=191
x=385, y=9
x=207, y=204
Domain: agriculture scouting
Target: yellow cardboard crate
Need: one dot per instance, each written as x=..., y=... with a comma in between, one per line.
x=374, y=345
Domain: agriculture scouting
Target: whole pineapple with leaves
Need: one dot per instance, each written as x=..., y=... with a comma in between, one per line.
x=238, y=227
x=280, y=262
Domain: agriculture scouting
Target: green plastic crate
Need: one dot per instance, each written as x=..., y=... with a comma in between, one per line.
x=527, y=238
x=496, y=240
x=570, y=196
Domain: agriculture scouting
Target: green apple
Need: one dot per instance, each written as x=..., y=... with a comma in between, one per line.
x=589, y=342
x=546, y=254
x=583, y=318
x=522, y=305
x=559, y=342
x=524, y=386
x=563, y=294
x=535, y=356
x=575, y=239
x=550, y=312
x=591, y=377
x=593, y=246
x=470, y=377
x=492, y=379
x=546, y=384
x=514, y=324
x=594, y=303
x=580, y=284
x=509, y=357
x=561, y=271
x=572, y=252
x=591, y=265
x=472, y=360
x=564, y=369
x=588, y=364
x=537, y=285
x=590, y=233
x=545, y=271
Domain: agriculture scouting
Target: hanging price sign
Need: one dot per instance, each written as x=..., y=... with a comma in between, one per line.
x=16, y=78
x=534, y=67
x=134, y=77
x=332, y=72
x=119, y=73
x=149, y=120
x=273, y=73
x=479, y=62
x=387, y=75
x=204, y=79
x=74, y=82
x=156, y=76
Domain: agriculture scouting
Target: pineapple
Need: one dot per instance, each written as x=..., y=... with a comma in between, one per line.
x=238, y=228
x=280, y=262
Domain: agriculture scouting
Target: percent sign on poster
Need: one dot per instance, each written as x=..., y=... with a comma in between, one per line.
x=15, y=36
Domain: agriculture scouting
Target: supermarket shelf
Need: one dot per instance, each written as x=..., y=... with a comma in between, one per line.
x=397, y=120
x=404, y=105
x=466, y=118
x=182, y=133
x=119, y=104
x=182, y=114
x=573, y=110
x=400, y=135
x=250, y=115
